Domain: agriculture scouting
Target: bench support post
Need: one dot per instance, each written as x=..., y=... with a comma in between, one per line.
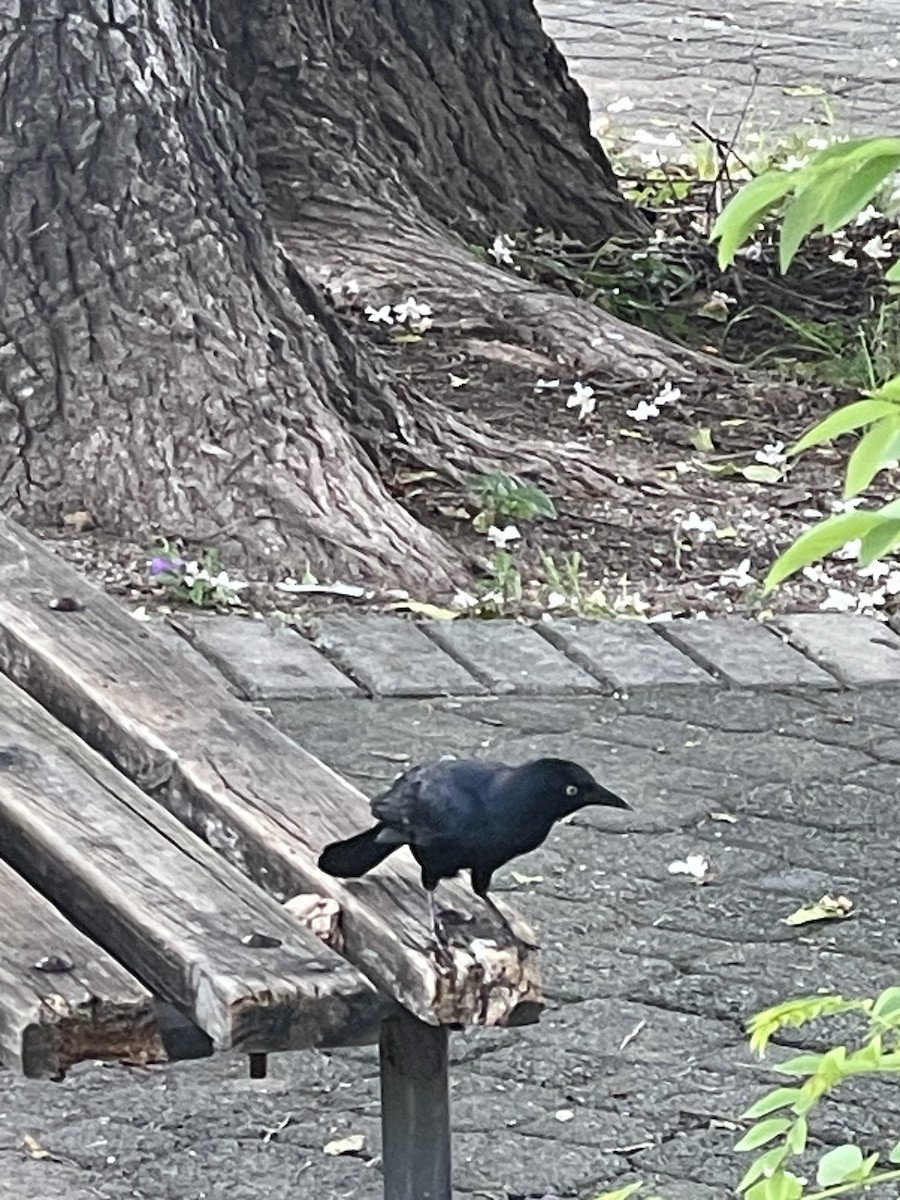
x=415, y=1109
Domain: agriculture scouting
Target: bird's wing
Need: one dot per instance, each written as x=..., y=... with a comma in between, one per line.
x=434, y=800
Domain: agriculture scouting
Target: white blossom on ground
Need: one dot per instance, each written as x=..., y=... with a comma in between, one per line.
x=867, y=214
x=643, y=411
x=849, y=550
x=815, y=574
x=772, y=454
x=379, y=316
x=623, y=104
x=738, y=576
x=582, y=398
x=842, y=506
x=501, y=250
x=667, y=394
x=415, y=315
x=841, y=257
x=838, y=600
x=752, y=252
x=502, y=537
x=692, y=522
x=463, y=601
x=876, y=247
x=695, y=866
x=544, y=385
x=879, y=570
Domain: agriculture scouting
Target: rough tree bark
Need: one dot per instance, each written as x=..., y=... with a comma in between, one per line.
x=179, y=181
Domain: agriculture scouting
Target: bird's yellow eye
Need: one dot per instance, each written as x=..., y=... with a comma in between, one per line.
x=572, y=790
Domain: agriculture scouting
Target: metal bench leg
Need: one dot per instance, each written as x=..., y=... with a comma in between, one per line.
x=415, y=1110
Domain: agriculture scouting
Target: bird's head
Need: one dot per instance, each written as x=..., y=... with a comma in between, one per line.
x=570, y=786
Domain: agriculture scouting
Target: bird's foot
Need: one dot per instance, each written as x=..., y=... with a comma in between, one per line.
x=442, y=952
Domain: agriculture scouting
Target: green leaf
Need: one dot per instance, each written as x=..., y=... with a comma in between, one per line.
x=782, y=1186
x=846, y=419
x=831, y=1070
x=823, y=539
x=766, y=1164
x=880, y=539
x=855, y=191
x=892, y=274
x=744, y=212
x=761, y=473
x=797, y=1135
x=887, y=1005
x=621, y=1193
x=763, y=1132
x=894, y=1155
x=780, y=1098
x=878, y=448
x=801, y=217
x=889, y=390
x=838, y=1165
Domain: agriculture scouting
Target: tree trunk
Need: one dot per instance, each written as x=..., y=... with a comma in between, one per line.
x=178, y=187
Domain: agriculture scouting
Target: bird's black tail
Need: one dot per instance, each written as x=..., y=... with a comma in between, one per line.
x=354, y=856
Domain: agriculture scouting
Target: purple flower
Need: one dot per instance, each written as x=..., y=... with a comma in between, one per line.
x=166, y=566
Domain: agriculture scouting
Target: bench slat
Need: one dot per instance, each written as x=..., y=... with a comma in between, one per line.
x=50, y=1020
x=253, y=794
x=161, y=901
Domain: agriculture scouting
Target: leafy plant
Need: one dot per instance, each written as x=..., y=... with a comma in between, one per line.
x=502, y=586
x=781, y=1116
x=827, y=193
x=623, y=1193
x=843, y=1169
x=200, y=582
x=502, y=495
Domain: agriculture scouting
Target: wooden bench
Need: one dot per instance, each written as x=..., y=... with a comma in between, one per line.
x=152, y=828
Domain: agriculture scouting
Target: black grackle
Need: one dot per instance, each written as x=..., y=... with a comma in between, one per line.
x=465, y=814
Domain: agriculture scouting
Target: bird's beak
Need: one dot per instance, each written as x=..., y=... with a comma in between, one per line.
x=602, y=795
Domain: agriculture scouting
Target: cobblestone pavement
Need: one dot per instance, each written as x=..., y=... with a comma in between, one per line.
x=789, y=63
x=757, y=753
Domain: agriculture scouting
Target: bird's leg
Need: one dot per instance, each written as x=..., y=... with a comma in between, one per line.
x=438, y=932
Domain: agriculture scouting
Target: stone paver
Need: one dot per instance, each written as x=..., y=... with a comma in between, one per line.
x=858, y=650
x=744, y=653
x=268, y=662
x=393, y=657
x=509, y=657
x=163, y=630
x=624, y=654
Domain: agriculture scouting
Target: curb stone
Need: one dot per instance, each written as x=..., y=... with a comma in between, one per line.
x=383, y=656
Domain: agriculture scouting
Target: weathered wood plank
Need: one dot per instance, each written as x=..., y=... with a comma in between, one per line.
x=257, y=797
x=415, y=1110
x=193, y=929
x=89, y=1007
